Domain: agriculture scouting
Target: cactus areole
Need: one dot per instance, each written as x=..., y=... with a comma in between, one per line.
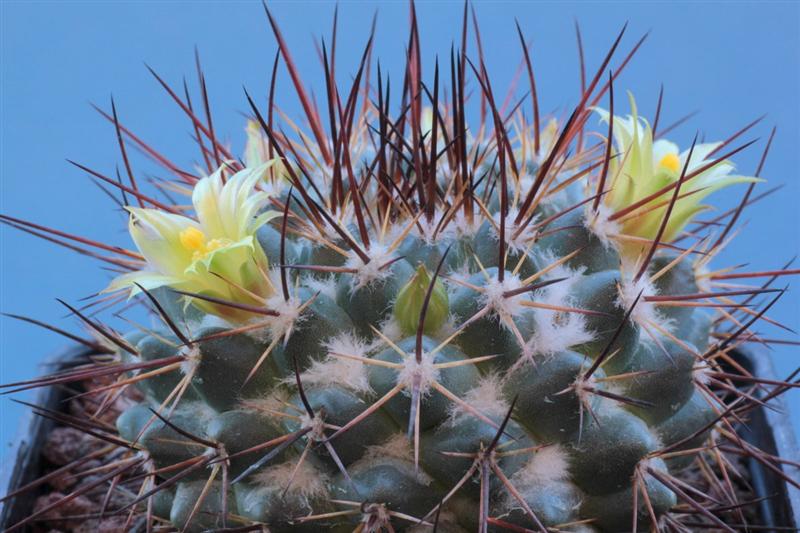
x=429, y=307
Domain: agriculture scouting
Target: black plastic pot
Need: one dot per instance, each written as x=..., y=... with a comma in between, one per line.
x=768, y=429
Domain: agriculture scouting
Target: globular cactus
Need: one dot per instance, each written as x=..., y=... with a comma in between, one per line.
x=416, y=321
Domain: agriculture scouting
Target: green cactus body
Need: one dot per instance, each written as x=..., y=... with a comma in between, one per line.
x=355, y=348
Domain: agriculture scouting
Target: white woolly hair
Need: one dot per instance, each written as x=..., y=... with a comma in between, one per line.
x=521, y=242
x=547, y=465
x=424, y=229
x=460, y=273
x=274, y=402
x=288, y=314
x=702, y=278
x=644, y=312
x=325, y=285
x=308, y=482
x=493, y=296
x=391, y=329
x=398, y=449
x=191, y=360
x=371, y=272
x=424, y=371
x=557, y=331
x=598, y=223
x=460, y=226
x=397, y=446
x=486, y=398
x=335, y=370
x=701, y=373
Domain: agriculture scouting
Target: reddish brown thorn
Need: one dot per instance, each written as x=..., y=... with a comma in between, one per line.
x=619, y=398
x=313, y=118
x=120, y=186
x=164, y=485
x=123, y=151
x=83, y=240
x=297, y=435
x=191, y=115
x=747, y=194
x=722, y=345
x=531, y=288
x=116, y=339
x=702, y=295
x=300, y=389
x=663, y=478
x=235, y=305
x=736, y=135
x=284, y=282
x=95, y=346
x=165, y=317
x=183, y=432
x=532, y=82
x=157, y=157
x=676, y=124
x=607, y=350
x=197, y=135
x=658, y=110
x=601, y=185
x=763, y=273
x=201, y=78
x=75, y=423
x=131, y=463
x=424, y=310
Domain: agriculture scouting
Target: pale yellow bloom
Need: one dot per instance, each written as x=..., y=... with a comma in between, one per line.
x=215, y=254
x=644, y=166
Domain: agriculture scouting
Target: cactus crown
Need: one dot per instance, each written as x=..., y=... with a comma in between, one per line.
x=412, y=320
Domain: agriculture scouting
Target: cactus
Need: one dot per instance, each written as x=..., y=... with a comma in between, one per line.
x=416, y=321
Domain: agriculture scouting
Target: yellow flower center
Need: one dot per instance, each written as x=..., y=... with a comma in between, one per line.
x=670, y=162
x=194, y=240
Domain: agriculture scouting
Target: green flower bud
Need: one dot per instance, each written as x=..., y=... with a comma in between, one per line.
x=411, y=298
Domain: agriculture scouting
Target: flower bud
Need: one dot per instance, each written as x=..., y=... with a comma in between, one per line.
x=411, y=298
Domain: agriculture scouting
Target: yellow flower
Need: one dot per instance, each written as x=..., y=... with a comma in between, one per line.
x=214, y=255
x=645, y=166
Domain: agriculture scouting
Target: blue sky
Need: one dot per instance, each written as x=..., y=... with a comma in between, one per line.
x=732, y=62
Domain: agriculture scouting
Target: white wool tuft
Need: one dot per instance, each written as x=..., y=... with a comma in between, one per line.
x=493, y=296
x=557, y=331
x=336, y=370
x=701, y=373
x=288, y=314
x=397, y=447
x=424, y=229
x=461, y=273
x=598, y=223
x=391, y=329
x=191, y=361
x=644, y=312
x=461, y=227
x=547, y=465
x=308, y=482
x=275, y=402
x=365, y=274
x=521, y=242
x=487, y=398
x=702, y=277
x=423, y=372
x=326, y=285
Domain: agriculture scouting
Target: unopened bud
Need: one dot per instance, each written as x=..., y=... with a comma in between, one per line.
x=411, y=298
